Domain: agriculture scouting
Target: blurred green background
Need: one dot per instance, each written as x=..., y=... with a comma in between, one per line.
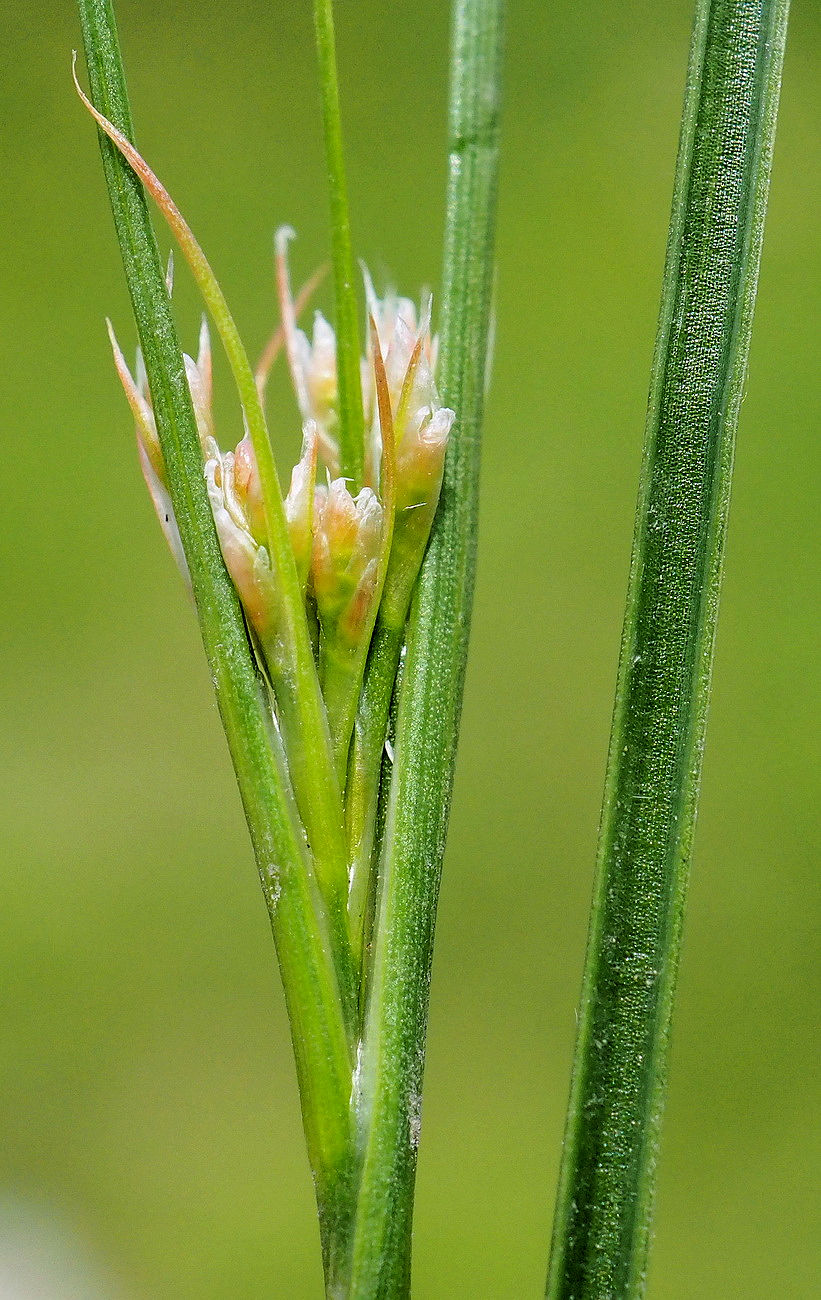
x=150, y=1142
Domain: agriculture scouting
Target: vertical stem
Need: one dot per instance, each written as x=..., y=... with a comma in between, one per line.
x=604, y=1205
x=297, y=913
x=390, y=1074
x=361, y=794
x=351, y=417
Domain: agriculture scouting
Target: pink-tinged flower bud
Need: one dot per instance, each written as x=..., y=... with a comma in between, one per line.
x=246, y=561
x=421, y=424
x=249, y=489
x=312, y=363
x=345, y=561
x=198, y=374
x=299, y=504
x=161, y=500
x=139, y=399
x=421, y=427
x=148, y=448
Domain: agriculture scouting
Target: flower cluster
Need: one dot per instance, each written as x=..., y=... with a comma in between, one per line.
x=349, y=556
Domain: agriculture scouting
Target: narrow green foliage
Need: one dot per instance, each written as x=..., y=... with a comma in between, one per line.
x=390, y=1078
x=351, y=418
x=605, y=1194
x=297, y=913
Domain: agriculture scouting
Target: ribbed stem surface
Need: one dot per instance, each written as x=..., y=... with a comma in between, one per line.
x=605, y=1196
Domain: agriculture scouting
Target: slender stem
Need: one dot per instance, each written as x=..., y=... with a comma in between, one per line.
x=604, y=1205
x=390, y=1075
x=301, y=709
x=297, y=913
x=362, y=791
x=351, y=416
x=340, y=687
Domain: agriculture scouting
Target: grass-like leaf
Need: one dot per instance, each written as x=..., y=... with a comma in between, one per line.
x=605, y=1194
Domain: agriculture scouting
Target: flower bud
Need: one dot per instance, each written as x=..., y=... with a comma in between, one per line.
x=139, y=399
x=198, y=374
x=312, y=363
x=345, y=561
x=149, y=450
x=418, y=484
x=319, y=362
x=161, y=500
x=246, y=561
x=420, y=459
x=421, y=426
x=299, y=504
x=249, y=490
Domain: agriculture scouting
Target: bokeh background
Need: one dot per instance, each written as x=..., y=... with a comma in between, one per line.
x=150, y=1144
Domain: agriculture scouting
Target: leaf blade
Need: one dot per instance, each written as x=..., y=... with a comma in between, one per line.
x=602, y=1223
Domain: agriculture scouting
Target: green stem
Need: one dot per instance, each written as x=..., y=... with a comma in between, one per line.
x=429, y=706
x=362, y=791
x=604, y=1205
x=341, y=675
x=296, y=911
x=351, y=415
